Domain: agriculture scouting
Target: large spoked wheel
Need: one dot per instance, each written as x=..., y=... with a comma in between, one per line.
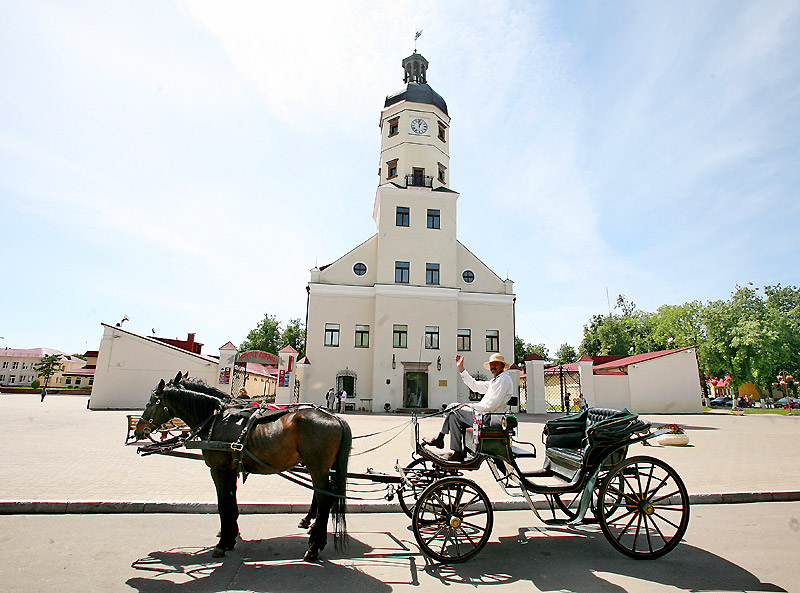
x=645, y=508
x=453, y=520
x=420, y=474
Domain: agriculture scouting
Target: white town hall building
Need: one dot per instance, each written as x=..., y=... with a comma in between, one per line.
x=386, y=320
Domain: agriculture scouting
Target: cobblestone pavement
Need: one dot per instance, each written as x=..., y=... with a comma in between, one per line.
x=57, y=450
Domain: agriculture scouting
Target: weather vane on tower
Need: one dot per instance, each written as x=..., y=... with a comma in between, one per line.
x=416, y=36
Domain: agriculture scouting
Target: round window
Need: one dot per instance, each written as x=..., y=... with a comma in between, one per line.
x=468, y=276
x=359, y=269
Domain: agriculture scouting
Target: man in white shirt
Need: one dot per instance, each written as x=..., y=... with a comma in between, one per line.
x=496, y=394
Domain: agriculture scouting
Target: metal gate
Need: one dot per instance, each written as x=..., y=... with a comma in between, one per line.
x=239, y=376
x=562, y=387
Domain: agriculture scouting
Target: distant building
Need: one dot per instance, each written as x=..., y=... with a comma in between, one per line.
x=16, y=366
x=386, y=320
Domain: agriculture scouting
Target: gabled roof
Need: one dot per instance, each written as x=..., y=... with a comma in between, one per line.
x=161, y=344
x=636, y=358
x=228, y=346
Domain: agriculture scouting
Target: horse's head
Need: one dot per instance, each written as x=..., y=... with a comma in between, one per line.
x=155, y=414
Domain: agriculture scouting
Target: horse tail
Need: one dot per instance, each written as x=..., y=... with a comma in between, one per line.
x=339, y=487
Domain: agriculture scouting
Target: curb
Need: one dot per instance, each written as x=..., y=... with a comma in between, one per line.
x=81, y=507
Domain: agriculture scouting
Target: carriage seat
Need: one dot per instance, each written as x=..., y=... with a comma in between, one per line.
x=567, y=439
x=494, y=433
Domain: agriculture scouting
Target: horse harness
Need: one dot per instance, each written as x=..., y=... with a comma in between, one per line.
x=237, y=447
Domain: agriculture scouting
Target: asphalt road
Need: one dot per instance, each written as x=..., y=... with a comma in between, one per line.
x=745, y=547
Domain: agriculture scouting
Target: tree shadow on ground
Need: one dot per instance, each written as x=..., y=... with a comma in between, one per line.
x=581, y=559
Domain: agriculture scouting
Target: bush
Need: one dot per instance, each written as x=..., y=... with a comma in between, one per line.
x=35, y=384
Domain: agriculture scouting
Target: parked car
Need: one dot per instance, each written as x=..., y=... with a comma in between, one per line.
x=721, y=402
x=781, y=403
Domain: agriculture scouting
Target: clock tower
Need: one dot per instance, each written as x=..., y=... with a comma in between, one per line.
x=415, y=131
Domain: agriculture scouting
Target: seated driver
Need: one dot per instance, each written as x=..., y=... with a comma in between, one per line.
x=496, y=395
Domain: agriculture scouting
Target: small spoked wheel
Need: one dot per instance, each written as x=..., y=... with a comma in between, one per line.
x=645, y=508
x=452, y=520
x=420, y=474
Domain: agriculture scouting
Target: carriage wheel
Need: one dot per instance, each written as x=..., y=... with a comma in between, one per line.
x=452, y=520
x=421, y=473
x=648, y=516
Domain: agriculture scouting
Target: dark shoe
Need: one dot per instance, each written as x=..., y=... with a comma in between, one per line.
x=454, y=456
x=438, y=442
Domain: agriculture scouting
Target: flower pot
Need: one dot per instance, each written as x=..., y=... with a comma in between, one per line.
x=737, y=412
x=677, y=440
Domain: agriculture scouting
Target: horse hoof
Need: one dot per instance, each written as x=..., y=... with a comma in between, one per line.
x=304, y=524
x=218, y=553
x=311, y=556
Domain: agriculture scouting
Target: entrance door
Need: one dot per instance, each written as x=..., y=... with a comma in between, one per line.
x=348, y=384
x=416, y=390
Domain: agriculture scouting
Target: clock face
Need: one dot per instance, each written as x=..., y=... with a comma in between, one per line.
x=419, y=126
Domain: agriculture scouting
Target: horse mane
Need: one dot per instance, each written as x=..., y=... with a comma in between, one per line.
x=196, y=404
x=198, y=385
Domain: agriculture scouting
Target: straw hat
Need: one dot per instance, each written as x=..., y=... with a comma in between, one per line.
x=496, y=358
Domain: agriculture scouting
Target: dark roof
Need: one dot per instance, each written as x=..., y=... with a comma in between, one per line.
x=416, y=92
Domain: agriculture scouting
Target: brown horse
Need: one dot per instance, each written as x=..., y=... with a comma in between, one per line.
x=309, y=436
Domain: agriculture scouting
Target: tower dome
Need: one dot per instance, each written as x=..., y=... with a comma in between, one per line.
x=415, y=87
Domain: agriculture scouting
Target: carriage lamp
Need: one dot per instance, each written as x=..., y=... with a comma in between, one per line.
x=394, y=364
x=439, y=363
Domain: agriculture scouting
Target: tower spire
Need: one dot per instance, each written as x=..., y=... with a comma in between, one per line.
x=415, y=68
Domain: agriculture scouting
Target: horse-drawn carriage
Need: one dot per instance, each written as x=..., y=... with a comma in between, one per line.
x=640, y=502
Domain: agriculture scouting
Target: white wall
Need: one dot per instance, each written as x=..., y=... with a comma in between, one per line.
x=613, y=391
x=666, y=385
x=129, y=367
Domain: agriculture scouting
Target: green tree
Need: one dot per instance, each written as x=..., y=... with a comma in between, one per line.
x=620, y=332
x=565, y=354
x=270, y=336
x=266, y=336
x=295, y=336
x=523, y=350
x=48, y=366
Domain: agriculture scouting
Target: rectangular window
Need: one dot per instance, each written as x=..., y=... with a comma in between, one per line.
x=12, y=379
x=402, y=217
x=362, y=336
x=432, y=337
x=69, y=381
x=492, y=340
x=442, y=170
x=400, y=336
x=391, y=169
x=91, y=380
x=442, y=129
x=24, y=365
x=401, y=270
x=14, y=365
x=331, y=334
x=464, y=340
x=5, y=364
x=431, y=273
x=2, y=378
x=433, y=219
x=77, y=380
x=394, y=126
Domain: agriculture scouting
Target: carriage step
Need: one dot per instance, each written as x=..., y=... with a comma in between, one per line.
x=520, y=453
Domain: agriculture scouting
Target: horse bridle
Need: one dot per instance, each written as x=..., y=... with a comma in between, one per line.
x=148, y=417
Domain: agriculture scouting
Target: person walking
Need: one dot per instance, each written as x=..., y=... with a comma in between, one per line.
x=458, y=416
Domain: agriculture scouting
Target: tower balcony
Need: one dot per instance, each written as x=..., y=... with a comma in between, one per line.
x=416, y=180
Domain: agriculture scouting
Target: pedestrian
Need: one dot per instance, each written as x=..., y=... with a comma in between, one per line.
x=44, y=393
x=339, y=401
x=343, y=400
x=458, y=416
x=582, y=403
x=330, y=398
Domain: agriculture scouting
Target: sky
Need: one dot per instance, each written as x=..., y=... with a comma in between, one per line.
x=185, y=164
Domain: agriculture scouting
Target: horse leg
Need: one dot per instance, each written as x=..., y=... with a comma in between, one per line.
x=305, y=522
x=318, y=534
x=225, y=482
